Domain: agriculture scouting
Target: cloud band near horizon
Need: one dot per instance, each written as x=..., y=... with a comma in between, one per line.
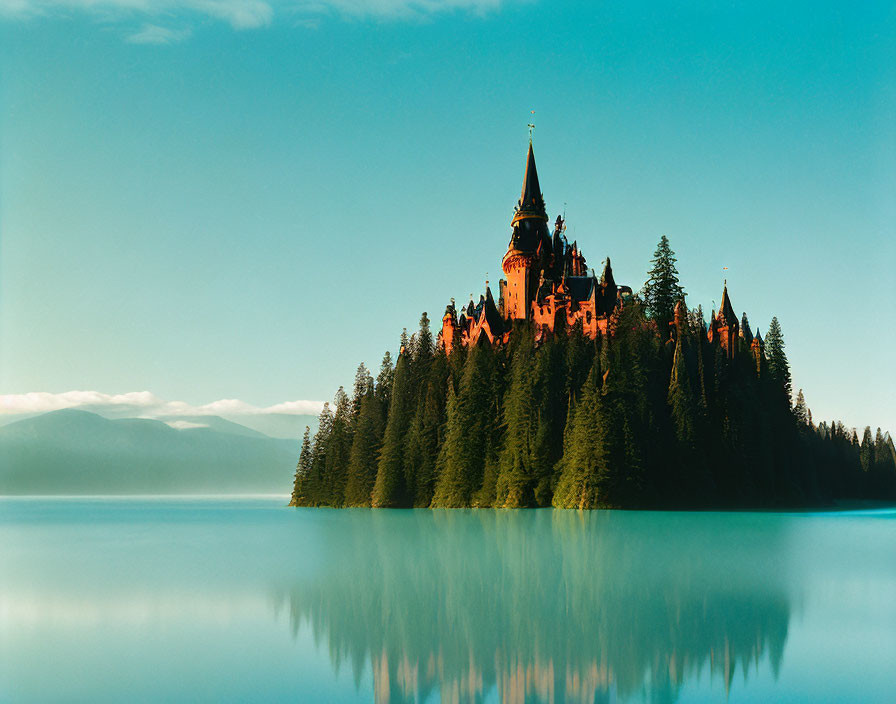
x=145, y=404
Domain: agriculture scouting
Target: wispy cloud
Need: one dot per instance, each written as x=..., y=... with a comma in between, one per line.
x=144, y=404
x=154, y=34
x=242, y=14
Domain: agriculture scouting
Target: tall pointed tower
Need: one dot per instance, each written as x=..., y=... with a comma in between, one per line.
x=529, y=249
x=725, y=326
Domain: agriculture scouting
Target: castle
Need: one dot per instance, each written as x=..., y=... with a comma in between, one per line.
x=547, y=282
x=549, y=285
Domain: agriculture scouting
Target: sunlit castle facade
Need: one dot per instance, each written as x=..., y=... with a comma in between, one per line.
x=549, y=285
x=547, y=282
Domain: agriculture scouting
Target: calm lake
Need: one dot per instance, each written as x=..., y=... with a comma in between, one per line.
x=201, y=599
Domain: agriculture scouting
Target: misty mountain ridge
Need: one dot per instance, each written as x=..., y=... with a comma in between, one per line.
x=73, y=451
x=276, y=425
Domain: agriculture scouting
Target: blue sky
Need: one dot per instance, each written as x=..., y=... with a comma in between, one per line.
x=244, y=199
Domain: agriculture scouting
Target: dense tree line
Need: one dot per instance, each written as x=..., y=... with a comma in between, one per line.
x=637, y=418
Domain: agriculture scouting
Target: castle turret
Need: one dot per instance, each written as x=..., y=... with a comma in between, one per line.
x=449, y=327
x=530, y=246
x=557, y=249
x=726, y=325
x=757, y=347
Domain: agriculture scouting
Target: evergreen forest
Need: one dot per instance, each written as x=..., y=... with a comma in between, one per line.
x=639, y=418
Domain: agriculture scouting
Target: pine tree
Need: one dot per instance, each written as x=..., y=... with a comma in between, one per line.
x=363, y=384
x=883, y=478
x=362, y=464
x=338, y=450
x=579, y=357
x=682, y=401
x=302, y=469
x=801, y=411
x=550, y=378
x=690, y=478
x=468, y=436
x=384, y=381
x=390, y=489
x=585, y=462
x=422, y=442
x=866, y=454
x=778, y=367
x=315, y=479
x=422, y=349
x=515, y=481
x=662, y=291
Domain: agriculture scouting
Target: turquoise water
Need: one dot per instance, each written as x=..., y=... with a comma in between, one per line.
x=109, y=600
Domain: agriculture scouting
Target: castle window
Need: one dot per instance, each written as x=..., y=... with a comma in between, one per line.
x=588, y=317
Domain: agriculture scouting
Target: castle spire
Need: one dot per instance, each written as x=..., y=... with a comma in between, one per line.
x=531, y=203
x=726, y=310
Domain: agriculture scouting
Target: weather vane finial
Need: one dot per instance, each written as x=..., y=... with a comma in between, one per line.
x=531, y=127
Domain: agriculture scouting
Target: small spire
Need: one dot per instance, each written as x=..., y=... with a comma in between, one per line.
x=726, y=310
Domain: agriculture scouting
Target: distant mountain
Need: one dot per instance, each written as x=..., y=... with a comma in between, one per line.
x=77, y=452
x=275, y=425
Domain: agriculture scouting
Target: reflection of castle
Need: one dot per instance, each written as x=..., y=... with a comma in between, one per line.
x=544, y=606
x=549, y=285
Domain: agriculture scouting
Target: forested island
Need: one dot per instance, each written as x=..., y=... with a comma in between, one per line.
x=626, y=420
x=574, y=392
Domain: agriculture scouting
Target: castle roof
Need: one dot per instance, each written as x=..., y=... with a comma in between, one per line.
x=580, y=287
x=450, y=312
x=530, y=229
x=490, y=311
x=531, y=203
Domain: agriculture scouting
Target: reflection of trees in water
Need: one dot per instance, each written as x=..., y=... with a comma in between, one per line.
x=545, y=605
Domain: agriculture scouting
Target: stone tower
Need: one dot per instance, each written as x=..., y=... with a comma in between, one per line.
x=529, y=249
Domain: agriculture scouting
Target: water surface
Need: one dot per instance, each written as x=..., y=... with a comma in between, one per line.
x=107, y=600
